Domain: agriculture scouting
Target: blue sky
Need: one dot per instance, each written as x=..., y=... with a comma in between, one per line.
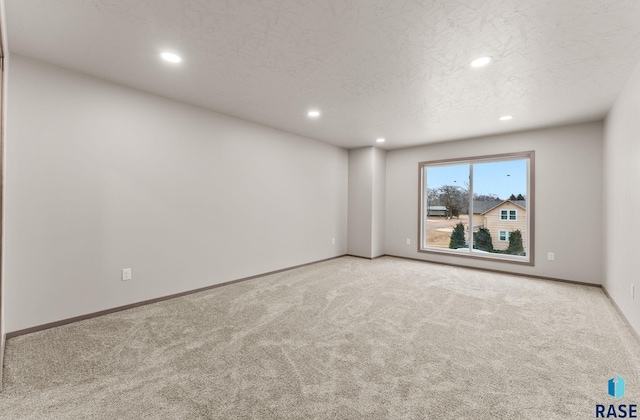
x=501, y=178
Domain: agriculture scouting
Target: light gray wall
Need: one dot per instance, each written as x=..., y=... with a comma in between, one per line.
x=568, y=191
x=101, y=177
x=378, y=202
x=366, y=202
x=3, y=31
x=360, y=202
x=622, y=200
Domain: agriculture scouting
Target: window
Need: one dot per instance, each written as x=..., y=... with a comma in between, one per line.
x=479, y=207
x=508, y=215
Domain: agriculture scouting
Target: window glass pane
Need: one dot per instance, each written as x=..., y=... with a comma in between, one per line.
x=500, y=206
x=446, y=208
x=478, y=207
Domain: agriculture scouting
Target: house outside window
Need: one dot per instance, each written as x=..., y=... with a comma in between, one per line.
x=505, y=218
x=470, y=207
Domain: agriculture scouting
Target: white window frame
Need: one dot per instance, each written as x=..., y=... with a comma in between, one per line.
x=529, y=258
x=508, y=214
x=507, y=233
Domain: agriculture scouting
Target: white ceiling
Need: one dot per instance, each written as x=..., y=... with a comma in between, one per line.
x=375, y=68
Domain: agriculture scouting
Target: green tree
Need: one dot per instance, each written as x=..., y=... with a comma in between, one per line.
x=520, y=197
x=515, y=243
x=482, y=240
x=512, y=197
x=457, y=237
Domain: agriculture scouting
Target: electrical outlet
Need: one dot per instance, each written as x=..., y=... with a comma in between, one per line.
x=551, y=256
x=408, y=241
x=333, y=241
x=126, y=274
x=633, y=291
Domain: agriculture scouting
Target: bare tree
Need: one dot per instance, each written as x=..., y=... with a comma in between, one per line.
x=432, y=196
x=486, y=197
x=455, y=199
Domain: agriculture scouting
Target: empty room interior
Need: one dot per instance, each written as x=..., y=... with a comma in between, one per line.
x=320, y=209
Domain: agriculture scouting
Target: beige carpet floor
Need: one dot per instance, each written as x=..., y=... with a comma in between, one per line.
x=347, y=339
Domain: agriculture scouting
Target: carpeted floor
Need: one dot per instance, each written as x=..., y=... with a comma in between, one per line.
x=346, y=339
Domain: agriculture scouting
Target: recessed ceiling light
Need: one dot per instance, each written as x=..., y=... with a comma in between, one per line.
x=380, y=140
x=313, y=114
x=171, y=57
x=481, y=61
x=506, y=118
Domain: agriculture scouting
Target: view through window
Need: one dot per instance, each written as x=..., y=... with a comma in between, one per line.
x=480, y=207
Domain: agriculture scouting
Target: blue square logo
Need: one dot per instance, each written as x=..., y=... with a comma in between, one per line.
x=616, y=387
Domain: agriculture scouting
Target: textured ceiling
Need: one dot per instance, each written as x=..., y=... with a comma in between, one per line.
x=375, y=68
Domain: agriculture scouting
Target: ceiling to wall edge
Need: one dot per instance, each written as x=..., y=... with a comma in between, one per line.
x=382, y=146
